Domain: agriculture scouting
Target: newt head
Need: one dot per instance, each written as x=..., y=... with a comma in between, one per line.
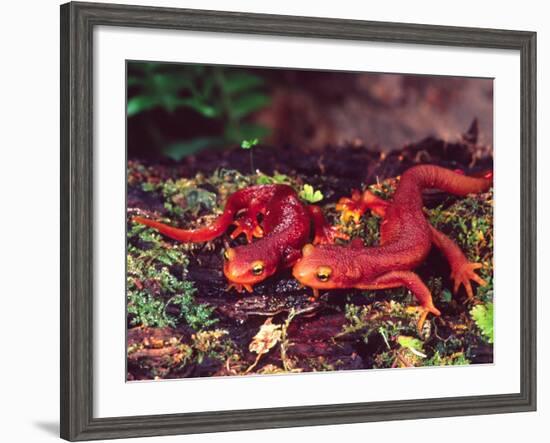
x=326, y=267
x=245, y=266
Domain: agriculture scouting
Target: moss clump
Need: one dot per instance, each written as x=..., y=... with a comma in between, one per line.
x=156, y=281
x=469, y=221
x=163, y=353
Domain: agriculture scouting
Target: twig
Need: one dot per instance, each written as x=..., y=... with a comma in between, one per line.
x=253, y=365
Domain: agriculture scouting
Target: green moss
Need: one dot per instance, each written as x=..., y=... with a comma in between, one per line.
x=156, y=280
x=146, y=310
x=276, y=178
x=384, y=189
x=182, y=196
x=454, y=359
x=468, y=221
x=227, y=181
x=198, y=316
x=388, y=320
x=170, y=354
x=213, y=344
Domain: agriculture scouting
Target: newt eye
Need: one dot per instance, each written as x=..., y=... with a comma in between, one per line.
x=257, y=268
x=323, y=273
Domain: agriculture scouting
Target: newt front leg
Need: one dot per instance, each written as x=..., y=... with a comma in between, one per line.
x=410, y=280
x=247, y=223
x=352, y=208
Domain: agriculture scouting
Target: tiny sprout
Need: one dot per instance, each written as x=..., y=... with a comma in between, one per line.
x=247, y=144
x=311, y=195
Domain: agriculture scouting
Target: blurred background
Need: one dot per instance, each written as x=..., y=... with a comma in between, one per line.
x=176, y=110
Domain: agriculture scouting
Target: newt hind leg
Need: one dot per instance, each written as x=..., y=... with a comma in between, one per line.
x=352, y=208
x=462, y=270
x=413, y=283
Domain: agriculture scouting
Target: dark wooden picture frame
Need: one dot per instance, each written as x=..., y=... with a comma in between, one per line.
x=77, y=217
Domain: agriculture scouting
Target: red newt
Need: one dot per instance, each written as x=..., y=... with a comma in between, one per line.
x=284, y=230
x=405, y=240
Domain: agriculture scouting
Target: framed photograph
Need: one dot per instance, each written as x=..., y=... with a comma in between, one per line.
x=273, y=221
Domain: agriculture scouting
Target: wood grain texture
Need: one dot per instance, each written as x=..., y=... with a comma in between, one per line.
x=77, y=23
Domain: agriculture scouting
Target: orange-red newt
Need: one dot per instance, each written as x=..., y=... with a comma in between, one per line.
x=405, y=240
x=284, y=230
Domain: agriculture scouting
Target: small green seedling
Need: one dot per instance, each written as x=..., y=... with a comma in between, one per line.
x=310, y=195
x=249, y=144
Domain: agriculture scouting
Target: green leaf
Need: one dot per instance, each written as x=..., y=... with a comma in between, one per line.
x=170, y=82
x=248, y=104
x=281, y=178
x=483, y=316
x=205, y=109
x=149, y=187
x=181, y=149
x=145, y=66
x=133, y=81
x=200, y=197
x=245, y=131
x=310, y=195
x=412, y=344
x=141, y=103
x=169, y=102
x=247, y=144
x=446, y=296
x=409, y=342
x=263, y=179
x=237, y=82
x=208, y=84
x=317, y=196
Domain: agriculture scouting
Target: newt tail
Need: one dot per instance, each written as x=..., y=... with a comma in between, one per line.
x=253, y=199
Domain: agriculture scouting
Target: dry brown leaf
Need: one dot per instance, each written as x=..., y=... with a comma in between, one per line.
x=267, y=337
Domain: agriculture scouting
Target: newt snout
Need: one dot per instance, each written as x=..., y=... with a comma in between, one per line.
x=244, y=267
x=324, y=267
